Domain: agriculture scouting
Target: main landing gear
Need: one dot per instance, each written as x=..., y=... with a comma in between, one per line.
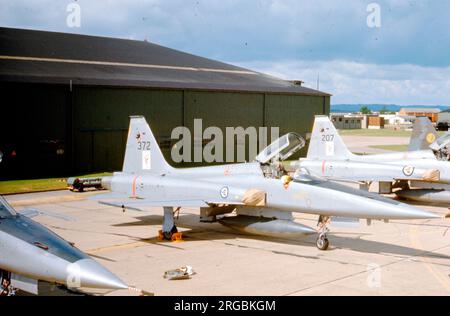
x=169, y=229
x=322, y=241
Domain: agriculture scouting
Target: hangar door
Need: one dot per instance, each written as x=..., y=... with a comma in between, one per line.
x=222, y=110
x=101, y=120
x=33, y=131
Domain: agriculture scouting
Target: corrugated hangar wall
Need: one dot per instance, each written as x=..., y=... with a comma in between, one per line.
x=101, y=117
x=93, y=121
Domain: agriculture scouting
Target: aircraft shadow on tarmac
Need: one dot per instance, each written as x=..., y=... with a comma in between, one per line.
x=200, y=231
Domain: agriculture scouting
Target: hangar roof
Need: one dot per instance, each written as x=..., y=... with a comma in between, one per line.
x=61, y=58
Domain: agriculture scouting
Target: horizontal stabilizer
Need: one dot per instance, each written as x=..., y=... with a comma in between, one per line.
x=32, y=212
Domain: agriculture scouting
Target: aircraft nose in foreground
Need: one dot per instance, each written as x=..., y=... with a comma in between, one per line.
x=89, y=273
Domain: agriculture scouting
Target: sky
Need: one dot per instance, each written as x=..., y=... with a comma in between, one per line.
x=384, y=52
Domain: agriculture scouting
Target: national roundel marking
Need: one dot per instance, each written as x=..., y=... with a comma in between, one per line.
x=408, y=170
x=431, y=138
x=224, y=192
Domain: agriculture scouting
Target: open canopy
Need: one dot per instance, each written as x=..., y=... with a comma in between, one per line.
x=6, y=210
x=441, y=142
x=283, y=148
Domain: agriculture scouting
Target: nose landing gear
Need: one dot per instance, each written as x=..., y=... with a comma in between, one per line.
x=322, y=241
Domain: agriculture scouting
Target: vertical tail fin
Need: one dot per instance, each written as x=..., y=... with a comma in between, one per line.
x=325, y=142
x=142, y=154
x=423, y=134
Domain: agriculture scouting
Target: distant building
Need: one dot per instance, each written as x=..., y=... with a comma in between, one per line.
x=398, y=120
x=365, y=120
x=431, y=113
x=444, y=117
x=376, y=122
x=346, y=121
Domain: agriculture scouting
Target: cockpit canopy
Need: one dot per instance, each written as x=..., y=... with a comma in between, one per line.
x=6, y=210
x=283, y=148
x=441, y=142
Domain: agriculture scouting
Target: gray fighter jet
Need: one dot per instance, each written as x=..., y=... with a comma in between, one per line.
x=329, y=158
x=262, y=197
x=29, y=253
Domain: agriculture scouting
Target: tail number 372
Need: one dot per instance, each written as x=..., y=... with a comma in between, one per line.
x=143, y=145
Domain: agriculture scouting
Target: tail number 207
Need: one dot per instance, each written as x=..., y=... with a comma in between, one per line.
x=328, y=138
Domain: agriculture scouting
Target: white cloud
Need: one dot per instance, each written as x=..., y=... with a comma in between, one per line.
x=413, y=31
x=398, y=63
x=352, y=82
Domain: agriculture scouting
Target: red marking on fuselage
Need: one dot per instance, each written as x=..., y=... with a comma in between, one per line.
x=133, y=188
x=323, y=167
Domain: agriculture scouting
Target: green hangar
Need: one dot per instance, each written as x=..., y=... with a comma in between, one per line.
x=66, y=100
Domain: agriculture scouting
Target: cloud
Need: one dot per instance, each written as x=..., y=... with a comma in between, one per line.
x=412, y=31
x=352, y=82
x=407, y=60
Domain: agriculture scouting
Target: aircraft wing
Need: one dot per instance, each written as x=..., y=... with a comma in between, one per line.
x=360, y=179
x=137, y=204
x=330, y=184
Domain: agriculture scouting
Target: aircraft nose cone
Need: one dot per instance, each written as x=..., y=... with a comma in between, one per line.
x=88, y=273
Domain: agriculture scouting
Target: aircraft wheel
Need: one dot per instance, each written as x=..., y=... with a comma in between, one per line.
x=322, y=242
x=167, y=235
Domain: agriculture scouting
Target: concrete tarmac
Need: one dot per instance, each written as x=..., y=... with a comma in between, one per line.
x=361, y=144
x=398, y=258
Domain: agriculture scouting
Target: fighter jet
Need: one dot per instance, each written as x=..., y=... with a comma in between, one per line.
x=29, y=253
x=259, y=193
x=329, y=158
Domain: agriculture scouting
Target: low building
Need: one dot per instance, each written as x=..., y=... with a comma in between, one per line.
x=346, y=121
x=431, y=113
x=365, y=120
x=399, y=120
x=376, y=122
